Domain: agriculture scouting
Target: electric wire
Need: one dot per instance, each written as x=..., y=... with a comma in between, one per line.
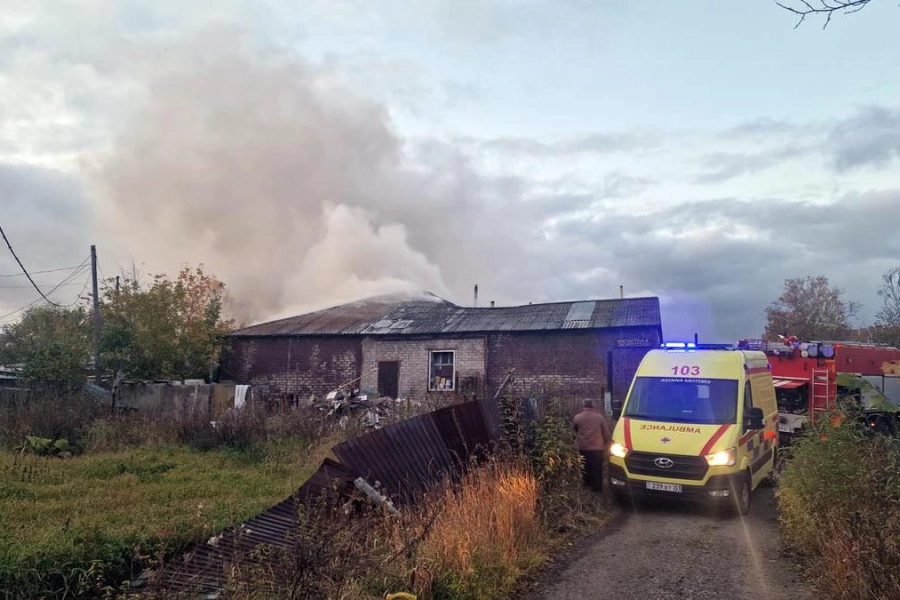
x=39, y=272
x=24, y=270
x=77, y=271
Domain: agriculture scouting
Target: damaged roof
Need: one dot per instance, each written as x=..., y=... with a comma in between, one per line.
x=432, y=315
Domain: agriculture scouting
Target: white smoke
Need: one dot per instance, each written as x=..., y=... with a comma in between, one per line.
x=288, y=187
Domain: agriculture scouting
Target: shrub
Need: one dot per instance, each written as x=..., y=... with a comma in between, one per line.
x=67, y=418
x=840, y=509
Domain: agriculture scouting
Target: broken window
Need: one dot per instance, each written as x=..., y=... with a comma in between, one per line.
x=442, y=375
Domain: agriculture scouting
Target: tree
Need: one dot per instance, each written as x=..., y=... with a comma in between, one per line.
x=166, y=330
x=810, y=309
x=52, y=344
x=826, y=8
x=887, y=321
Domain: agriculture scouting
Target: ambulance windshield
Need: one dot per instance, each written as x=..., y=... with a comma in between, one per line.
x=677, y=400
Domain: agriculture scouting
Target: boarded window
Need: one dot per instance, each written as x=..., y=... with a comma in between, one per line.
x=442, y=375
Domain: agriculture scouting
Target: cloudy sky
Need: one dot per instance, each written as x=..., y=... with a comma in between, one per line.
x=314, y=152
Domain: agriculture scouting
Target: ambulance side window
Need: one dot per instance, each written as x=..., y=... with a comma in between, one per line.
x=748, y=397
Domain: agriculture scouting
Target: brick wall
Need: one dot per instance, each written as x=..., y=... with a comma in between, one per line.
x=572, y=363
x=414, y=356
x=280, y=367
x=569, y=363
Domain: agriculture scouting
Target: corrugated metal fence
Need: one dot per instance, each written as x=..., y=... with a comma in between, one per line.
x=403, y=460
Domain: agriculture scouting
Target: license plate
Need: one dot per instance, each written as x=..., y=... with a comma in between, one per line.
x=664, y=487
x=784, y=428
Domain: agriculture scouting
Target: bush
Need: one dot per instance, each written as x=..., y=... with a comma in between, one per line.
x=840, y=509
x=63, y=418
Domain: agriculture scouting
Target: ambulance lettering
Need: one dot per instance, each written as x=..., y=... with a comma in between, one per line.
x=673, y=428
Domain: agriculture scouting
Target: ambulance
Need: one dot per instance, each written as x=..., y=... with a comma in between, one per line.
x=699, y=422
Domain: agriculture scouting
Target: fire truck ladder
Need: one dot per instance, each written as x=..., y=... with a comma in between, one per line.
x=821, y=397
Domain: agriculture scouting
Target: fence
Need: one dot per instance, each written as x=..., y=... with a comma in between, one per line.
x=402, y=460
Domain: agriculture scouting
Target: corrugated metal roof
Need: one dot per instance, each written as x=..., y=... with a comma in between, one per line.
x=390, y=316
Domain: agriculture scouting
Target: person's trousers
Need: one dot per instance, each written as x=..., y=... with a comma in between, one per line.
x=592, y=469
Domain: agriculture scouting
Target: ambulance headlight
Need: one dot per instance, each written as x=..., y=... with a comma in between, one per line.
x=618, y=450
x=725, y=458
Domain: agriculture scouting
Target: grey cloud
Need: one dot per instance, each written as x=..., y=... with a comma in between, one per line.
x=596, y=143
x=872, y=138
x=728, y=165
x=622, y=185
x=764, y=128
x=851, y=242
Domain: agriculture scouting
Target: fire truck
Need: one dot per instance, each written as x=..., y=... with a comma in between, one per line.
x=806, y=378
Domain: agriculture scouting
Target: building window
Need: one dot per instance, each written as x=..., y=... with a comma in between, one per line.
x=442, y=374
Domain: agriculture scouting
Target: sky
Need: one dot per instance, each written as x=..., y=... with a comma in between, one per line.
x=313, y=153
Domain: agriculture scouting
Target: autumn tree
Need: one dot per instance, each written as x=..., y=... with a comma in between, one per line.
x=166, y=329
x=810, y=309
x=887, y=321
x=53, y=345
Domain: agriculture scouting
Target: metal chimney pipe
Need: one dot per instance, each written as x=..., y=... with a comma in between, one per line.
x=476, y=295
x=492, y=304
x=621, y=291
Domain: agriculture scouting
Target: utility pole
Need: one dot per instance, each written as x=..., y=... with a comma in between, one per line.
x=97, y=323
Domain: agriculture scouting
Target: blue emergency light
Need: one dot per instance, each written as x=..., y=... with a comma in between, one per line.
x=690, y=346
x=678, y=345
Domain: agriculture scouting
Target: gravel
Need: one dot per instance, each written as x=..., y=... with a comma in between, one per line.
x=668, y=551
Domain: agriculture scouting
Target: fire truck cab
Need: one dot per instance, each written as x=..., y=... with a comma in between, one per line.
x=806, y=375
x=805, y=379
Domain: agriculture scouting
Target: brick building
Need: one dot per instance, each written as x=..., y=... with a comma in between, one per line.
x=411, y=347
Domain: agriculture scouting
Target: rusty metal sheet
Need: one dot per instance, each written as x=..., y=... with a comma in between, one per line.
x=406, y=457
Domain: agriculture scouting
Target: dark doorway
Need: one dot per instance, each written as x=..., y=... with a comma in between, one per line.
x=388, y=379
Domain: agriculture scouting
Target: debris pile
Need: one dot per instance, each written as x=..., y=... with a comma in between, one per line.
x=368, y=409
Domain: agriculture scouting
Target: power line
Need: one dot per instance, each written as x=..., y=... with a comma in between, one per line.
x=87, y=282
x=24, y=270
x=22, y=287
x=78, y=270
x=39, y=272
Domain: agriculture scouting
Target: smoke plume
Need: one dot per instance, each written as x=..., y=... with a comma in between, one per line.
x=288, y=187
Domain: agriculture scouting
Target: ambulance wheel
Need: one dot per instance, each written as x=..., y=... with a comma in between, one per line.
x=742, y=495
x=771, y=479
x=622, y=500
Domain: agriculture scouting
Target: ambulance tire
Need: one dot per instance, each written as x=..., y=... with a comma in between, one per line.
x=771, y=479
x=742, y=493
x=623, y=500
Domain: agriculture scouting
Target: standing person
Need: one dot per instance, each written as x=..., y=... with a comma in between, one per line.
x=592, y=438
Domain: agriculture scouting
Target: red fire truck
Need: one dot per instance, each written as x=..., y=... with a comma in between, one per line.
x=806, y=377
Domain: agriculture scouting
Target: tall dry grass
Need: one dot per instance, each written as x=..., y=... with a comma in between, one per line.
x=840, y=509
x=486, y=535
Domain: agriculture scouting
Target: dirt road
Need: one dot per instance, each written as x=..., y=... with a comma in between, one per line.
x=662, y=551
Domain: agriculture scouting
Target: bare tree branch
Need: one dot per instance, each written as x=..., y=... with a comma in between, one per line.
x=823, y=7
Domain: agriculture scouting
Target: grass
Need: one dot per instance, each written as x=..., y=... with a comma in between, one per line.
x=839, y=496
x=58, y=517
x=144, y=487
x=487, y=535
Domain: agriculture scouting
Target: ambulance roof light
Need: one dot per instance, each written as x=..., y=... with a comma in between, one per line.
x=678, y=345
x=688, y=346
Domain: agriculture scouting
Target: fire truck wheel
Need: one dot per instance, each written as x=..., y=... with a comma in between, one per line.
x=742, y=494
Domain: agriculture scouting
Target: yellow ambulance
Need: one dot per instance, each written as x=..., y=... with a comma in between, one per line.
x=700, y=422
